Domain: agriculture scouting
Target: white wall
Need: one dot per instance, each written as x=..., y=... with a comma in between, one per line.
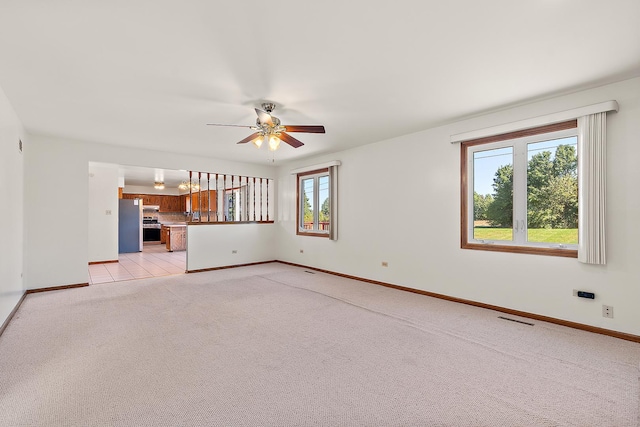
x=421, y=241
x=102, y=212
x=11, y=208
x=57, y=250
x=211, y=246
x=420, y=244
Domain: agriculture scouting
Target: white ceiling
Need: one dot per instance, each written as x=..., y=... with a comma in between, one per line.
x=151, y=74
x=147, y=177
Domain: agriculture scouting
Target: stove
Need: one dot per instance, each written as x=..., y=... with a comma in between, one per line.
x=150, y=229
x=150, y=222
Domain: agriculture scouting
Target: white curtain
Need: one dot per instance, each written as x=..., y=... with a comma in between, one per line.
x=333, y=202
x=592, y=162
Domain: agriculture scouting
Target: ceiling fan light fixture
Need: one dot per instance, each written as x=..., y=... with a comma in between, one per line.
x=274, y=143
x=268, y=129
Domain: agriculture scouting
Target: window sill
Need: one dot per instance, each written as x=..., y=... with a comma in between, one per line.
x=312, y=234
x=567, y=253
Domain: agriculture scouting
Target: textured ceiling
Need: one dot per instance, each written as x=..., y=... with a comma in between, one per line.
x=151, y=74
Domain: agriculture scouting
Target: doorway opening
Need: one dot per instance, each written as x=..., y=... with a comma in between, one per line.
x=143, y=204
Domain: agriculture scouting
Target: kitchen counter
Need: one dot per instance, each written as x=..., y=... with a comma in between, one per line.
x=175, y=236
x=164, y=230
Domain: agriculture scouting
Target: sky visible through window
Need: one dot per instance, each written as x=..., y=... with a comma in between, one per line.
x=323, y=188
x=307, y=185
x=486, y=163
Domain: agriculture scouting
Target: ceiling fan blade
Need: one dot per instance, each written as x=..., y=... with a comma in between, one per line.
x=290, y=140
x=250, y=138
x=307, y=129
x=264, y=117
x=236, y=126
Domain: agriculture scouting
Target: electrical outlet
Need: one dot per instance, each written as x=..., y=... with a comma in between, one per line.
x=607, y=311
x=107, y=212
x=385, y=264
x=234, y=251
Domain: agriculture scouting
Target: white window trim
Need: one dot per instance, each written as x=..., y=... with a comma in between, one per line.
x=311, y=168
x=534, y=122
x=520, y=164
x=316, y=203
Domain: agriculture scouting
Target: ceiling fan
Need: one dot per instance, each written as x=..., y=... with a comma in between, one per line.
x=268, y=128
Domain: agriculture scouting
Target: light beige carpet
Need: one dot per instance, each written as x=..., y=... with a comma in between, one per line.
x=273, y=345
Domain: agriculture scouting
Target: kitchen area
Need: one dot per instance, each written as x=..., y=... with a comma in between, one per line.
x=148, y=209
x=162, y=219
x=152, y=209
x=164, y=201
x=127, y=217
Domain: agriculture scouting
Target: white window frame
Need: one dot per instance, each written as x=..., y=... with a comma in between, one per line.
x=315, y=175
x=519, y=242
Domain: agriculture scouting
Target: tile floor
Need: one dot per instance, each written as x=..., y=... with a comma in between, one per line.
x=153, y=261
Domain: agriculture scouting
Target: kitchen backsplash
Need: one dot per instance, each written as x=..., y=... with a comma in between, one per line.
x=171, y=217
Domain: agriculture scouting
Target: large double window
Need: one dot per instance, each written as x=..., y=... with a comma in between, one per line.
x=314, y=203
x=520, y=191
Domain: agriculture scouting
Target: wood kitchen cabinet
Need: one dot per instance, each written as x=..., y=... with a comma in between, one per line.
x=199, y=201
x=176, y=205
x=176, y=238
x=164, y=204
x=167, y=203
x=147, y=199
x=198, y=205
x=170, y=204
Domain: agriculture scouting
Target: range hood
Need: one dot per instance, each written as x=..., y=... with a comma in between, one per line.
x=151, y=207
